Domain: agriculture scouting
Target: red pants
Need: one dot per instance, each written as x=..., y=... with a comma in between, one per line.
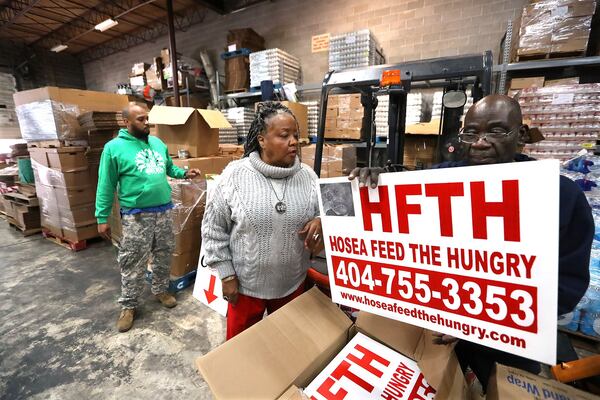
x=250, y=310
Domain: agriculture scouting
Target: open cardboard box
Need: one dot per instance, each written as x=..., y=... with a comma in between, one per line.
x=291, y=346
x=187, y=128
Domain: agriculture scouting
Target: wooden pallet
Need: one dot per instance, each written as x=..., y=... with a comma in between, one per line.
x=74, y=246
x=19, y=198
x=53, y=144
x=26, y=232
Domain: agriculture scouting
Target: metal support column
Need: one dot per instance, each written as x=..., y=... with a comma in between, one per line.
x=173, y=50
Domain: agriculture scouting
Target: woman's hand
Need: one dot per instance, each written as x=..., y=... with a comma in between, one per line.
x=440, y=338
x=312, y=234
x=230, y=290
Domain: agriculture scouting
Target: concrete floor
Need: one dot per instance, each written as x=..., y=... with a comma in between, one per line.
x=57, y=329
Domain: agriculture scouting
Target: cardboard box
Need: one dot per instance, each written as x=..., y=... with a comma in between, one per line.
x=71, y=234
x=570, y=46
x=509, y=383
x=137, y=80
x=72, y=180
x=207, y=165
x=188, y=240
x=74, y=217
x=339, y=133
x=191, y=129
x=139, y=68
x=65, y=197
x=522, y=83
x=419, y=150
x=291, y=346
x=564, y=81
x=341, y=160
x=231, y=150
x=65, y=159
x=194, y=101
x=50, y=113
x=185, y=263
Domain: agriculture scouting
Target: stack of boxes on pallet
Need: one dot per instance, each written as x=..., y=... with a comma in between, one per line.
x=551, y=28
x=240, y=43
x=65, y=168
x=8, y=117
x=344, y=115
x=274, y=65
x=567, y=115
x=354, y=49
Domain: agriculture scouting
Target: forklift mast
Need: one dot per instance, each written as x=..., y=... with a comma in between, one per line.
x=450, y=73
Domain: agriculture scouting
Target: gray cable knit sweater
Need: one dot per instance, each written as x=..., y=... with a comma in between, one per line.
x=244, y=235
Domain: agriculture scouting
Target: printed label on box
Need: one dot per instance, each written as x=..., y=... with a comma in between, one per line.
x=232, y=47
x=471, y=252
x=563, y=98
x=366, y=369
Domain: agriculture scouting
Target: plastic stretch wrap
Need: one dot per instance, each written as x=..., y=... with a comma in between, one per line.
x=555, y=26
x=48, y=120
x=568, y=116
x=189, y=199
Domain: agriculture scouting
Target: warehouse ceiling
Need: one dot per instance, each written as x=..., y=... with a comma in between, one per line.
x=51, y=23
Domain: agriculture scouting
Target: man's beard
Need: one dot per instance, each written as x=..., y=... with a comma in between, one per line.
x=140, y=134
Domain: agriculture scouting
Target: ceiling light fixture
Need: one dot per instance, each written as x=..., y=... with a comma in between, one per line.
x=59, y=47
x=106, y=25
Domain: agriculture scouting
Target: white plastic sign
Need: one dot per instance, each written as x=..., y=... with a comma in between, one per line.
x=208, y=287
x=471, y=252
x=366, y=369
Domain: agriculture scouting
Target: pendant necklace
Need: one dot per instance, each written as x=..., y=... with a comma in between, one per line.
x=280, y=207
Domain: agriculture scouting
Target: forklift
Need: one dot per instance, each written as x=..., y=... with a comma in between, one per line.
x=453, y=74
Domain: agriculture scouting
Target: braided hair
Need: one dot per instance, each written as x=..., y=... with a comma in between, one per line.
x=265, y=111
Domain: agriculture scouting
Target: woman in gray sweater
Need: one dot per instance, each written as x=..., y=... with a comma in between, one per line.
x=262, y=223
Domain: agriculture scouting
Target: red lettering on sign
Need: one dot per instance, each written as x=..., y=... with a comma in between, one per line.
x=369, y=208
x=325, y=391
x=444, y=192
x=508, y=209
x=404, y=208
x=367, y=358
x=344, y=370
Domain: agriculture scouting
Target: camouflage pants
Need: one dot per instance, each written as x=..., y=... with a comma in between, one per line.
x=146, y=237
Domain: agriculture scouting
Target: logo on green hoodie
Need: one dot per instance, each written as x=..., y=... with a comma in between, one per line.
x=150, y=162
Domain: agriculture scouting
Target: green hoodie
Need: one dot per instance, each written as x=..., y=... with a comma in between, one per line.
x=139, y=168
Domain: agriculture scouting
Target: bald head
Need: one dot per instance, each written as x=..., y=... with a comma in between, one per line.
x=136, y=119
x=498, y=121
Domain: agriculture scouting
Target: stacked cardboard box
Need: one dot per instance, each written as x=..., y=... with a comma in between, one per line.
x=245, y=38
x=337, y=160
x=234, y=151
x=137, y=76
x=419, y=150
x=555, y=27
x=22, y=209
x=66, y=192
x=207, y=165
x=344, y=115
x=187, y=128
x=50, y=113
x=566, y=115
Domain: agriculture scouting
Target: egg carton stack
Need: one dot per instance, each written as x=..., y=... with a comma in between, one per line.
x=228, y=135
x=241, y=119
x=436, y=108
x=313, y=118
x=354, y=49
x=414, y=108
x=8, y=116
x=381, y=117
x=567, y=115
x=274, y=65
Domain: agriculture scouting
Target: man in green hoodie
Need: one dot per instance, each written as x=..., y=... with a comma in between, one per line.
x=138, y=165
